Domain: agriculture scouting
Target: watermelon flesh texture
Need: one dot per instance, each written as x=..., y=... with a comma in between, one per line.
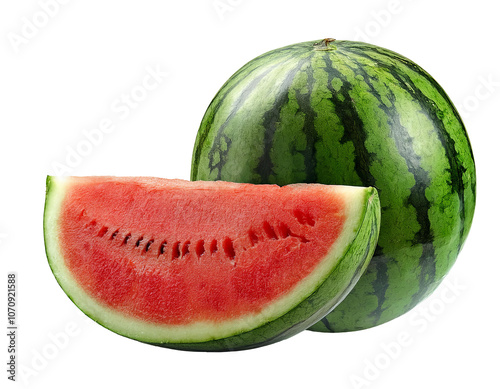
x=206, y=265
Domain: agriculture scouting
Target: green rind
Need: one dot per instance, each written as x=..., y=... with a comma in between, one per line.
x=337, y=283
x=355, y=114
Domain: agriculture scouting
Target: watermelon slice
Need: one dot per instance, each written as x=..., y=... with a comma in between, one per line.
x=207, y=265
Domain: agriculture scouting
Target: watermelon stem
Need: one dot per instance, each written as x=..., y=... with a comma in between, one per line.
x=324, y=45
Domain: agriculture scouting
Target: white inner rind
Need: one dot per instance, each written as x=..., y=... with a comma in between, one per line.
x=356, y=200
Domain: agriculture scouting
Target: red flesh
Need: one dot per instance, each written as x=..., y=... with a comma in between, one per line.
x=205, y=254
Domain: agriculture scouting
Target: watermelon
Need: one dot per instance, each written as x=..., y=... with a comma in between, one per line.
x=351, y=113
x=206, y=265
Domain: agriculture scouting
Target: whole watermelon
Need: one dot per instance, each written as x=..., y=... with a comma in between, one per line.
x=351, y=113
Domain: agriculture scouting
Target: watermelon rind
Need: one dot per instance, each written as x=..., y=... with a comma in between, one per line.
x=316, y=295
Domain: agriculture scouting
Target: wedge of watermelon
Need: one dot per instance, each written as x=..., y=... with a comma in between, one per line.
x=207, y=265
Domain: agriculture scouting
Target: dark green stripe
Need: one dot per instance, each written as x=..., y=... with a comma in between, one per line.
x=220, y=131
x=226, y=90
x=380, y=284
x=351, y=122
x=271, y=120
x=417, y=197
x=431, y=110
x=457, y=169
x=353, y=132
x=304, y=101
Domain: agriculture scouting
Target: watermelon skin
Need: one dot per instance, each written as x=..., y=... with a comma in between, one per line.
x=351, y=113
x=91, y=230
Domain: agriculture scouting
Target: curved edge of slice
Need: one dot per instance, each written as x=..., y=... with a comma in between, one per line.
x=315, y=297
x=336, y=285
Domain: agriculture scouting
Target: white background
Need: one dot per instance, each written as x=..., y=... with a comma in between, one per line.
x=65, y=67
